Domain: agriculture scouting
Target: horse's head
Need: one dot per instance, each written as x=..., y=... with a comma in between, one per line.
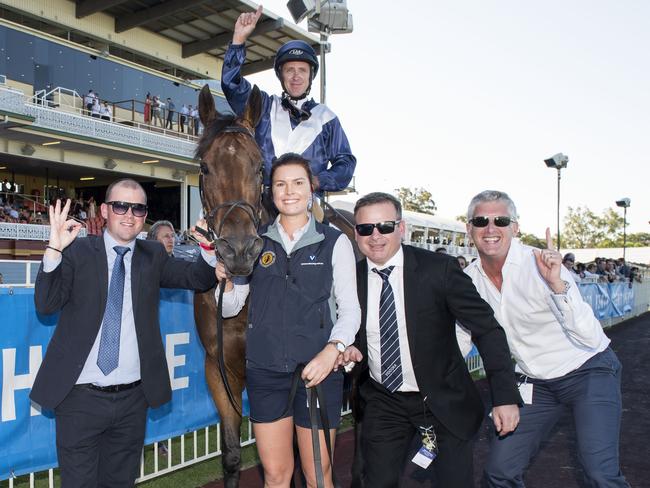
x=230, y=181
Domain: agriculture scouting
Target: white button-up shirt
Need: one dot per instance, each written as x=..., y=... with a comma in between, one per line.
x=549, y=334
x=396, y=280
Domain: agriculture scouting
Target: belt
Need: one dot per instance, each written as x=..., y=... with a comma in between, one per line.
x=112, y=388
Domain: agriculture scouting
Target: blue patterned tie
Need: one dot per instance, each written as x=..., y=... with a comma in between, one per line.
x=109, y=344
x=391, y=363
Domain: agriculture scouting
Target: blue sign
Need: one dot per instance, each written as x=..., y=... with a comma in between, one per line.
x=27, y=435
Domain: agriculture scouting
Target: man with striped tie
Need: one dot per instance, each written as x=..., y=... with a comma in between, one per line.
x=413, y=376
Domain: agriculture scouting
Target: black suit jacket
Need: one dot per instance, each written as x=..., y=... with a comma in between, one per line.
x=437, y=293
x=78, y=287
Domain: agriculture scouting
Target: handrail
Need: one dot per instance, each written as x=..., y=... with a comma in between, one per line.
x=44, y=98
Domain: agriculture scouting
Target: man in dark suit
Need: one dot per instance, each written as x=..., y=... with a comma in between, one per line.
x=414, y=378
x=105, y=364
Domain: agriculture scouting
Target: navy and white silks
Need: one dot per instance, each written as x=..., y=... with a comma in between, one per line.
x=320, y=139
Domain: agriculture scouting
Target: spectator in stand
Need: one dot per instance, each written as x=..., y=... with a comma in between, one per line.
x=163, y=232
x=184, y=114
x=196, y=120
x=635, y=275
x=622, y=268
x=156, y=110
x=442, y=250
x=568, y=261
x=92, y=208
x=147, y=109
x=590, y=272
x=610, y=271
x=170, y=114
x=96, y=109
x=89, y=100
x=462, y=262
x=2, y=280
x=106, y=112
x=600, y=267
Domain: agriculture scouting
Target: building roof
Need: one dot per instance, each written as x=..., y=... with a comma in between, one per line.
x=201, y=26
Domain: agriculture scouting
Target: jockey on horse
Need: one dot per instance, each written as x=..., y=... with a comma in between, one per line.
x=291, y=122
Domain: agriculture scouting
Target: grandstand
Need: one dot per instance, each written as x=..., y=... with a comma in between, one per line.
x=52, y=54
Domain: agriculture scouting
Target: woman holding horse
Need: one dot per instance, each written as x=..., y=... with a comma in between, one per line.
x=303, y=312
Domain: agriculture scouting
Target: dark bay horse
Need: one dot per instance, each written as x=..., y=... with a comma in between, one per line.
x=230, y=186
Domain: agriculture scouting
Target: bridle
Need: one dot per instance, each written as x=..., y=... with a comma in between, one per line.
x=253, y=211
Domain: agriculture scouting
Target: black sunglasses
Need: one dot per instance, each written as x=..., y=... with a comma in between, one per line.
x=498, y=221
x=120, y=208
x=387, y=227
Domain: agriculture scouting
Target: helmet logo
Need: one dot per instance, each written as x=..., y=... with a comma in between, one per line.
x=296, y=52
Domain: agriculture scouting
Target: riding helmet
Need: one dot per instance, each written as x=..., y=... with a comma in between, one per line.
x=296, y=51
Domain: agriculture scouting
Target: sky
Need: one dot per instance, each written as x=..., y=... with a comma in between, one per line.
x=463, y=96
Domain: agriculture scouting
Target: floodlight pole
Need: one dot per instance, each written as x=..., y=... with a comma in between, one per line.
x=624, y=228
x=559, y=177
x=323, y=49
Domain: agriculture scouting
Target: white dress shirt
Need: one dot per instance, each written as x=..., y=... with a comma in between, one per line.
x=549, y=334
x=348, y=313
x=396, y=280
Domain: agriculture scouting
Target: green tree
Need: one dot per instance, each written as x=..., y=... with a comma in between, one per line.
x=638, y=239
x=532, y=240
x=582, y=229
x=416, y=199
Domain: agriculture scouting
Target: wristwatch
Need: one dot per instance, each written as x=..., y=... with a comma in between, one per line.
x=340, y=347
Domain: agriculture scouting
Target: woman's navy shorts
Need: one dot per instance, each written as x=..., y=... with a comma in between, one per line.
x=268, y=394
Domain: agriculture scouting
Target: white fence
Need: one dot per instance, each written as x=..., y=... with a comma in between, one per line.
x=158, y=459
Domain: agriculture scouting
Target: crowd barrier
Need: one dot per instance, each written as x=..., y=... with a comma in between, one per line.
x=27, y=433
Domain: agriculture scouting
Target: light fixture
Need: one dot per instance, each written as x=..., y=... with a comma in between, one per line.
x=3, y=167
x=558, y=161
x=151, y=161
x=51, y=143
x=110, y=163
x=86, y=178
x=27, y=150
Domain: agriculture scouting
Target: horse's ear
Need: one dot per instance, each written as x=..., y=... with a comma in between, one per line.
x=253, y=109
x=207, y=110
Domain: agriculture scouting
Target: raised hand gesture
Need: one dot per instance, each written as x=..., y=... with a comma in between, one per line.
x=62, y=230
x=245, y=25
x=549, y=264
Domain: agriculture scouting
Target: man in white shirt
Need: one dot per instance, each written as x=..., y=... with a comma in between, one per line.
x=560, y=349
x=413, y=377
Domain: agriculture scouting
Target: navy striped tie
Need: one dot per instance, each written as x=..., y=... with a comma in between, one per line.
x=391, y=363
x=108, y=356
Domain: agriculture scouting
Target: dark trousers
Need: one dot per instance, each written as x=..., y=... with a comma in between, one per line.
x=593, y=393
x=170, y=117
x=182, y=124
x=389, y=424
x=99, y=437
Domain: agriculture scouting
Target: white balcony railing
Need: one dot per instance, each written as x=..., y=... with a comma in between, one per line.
x=16, y=102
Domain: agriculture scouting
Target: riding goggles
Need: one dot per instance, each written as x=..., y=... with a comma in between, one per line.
x=120, y=208
x=498, y=221
x=387, y=227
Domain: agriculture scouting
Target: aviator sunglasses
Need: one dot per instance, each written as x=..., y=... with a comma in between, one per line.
x=387, y=227
x=498, y=221
x=120, y=208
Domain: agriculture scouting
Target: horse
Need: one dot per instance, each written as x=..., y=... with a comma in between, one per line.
x=230, y=184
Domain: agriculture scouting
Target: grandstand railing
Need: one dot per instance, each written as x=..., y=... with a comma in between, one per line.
x=65, y=114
